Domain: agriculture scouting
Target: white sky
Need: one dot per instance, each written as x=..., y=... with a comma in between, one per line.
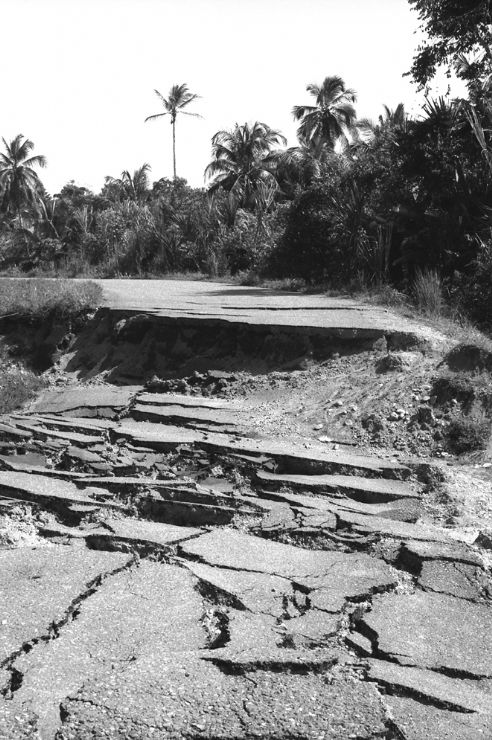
x=78, y=75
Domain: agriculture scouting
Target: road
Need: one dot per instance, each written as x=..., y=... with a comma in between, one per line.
x=253, y=305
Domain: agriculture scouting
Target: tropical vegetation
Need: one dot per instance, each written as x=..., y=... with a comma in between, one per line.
x=403, y=202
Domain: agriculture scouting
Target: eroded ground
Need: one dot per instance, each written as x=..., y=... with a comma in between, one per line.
x=289, y=555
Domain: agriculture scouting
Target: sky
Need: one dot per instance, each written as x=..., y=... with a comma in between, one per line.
x=79, y=75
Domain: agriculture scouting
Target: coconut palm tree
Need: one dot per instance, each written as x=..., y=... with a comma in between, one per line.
x=131, y=187
x=299, y=165
x=396, y=118
x=331, y=120
x=178, y=98
x=20, y=186
x=242, y=159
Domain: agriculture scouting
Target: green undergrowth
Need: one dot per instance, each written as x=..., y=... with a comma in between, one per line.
x=17, y=386
x=40, y=297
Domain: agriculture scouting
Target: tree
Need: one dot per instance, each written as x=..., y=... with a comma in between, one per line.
x=394, y=119
x=244, y=162
x=179, y=97
x=130, y=187
x=331, y=121
x=299, y=166
x=20, y=186
x=455, y=29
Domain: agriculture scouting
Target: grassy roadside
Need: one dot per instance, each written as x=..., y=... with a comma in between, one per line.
x=40, y=297
x=36, y=300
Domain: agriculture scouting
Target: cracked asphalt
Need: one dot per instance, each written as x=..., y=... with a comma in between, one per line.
x=165, y=574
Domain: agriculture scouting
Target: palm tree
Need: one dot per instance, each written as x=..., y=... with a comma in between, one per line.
x=132, y=187
x=179, y=97
x=331, y=120
x=244, y=162
x=300, y=165
x=394, y=118
x=20, y=186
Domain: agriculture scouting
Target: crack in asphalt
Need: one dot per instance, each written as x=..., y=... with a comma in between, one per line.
x=55, y=629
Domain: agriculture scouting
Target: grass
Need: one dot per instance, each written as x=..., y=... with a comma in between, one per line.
x=17, y=386
x=427, y=292
x=40, y=297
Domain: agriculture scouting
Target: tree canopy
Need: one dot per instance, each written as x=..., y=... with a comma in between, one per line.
x=459, y=36
x=20, y=186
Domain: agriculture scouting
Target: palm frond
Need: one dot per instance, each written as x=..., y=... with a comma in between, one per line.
x=156, y=115
x=39, y=160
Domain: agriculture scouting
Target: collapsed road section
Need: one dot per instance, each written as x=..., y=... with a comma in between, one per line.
x=173, y=573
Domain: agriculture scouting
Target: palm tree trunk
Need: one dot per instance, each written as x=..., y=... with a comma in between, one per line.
x=21, y=227
x=174, y=147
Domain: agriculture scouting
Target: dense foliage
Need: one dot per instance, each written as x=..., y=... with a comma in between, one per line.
x=404, y=202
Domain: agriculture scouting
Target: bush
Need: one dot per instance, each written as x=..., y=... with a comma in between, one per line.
x=474, y=292
x=246, y=247
x=17, y=386
x=468, y=435
x=310, y=247
x=427, y=291
x=38, y=297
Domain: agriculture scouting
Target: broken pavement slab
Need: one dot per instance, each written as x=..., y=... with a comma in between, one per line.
x=190, y=402
x=256, y=592
x=107, y=637
x=218, y=303
x=415, y=720
x=334, y=576
x=215, y=419
x=366, y=490
x=461, y=580
x=139, y=531
x=441, y=633
x=432, y=687
x=45, y=489
x=185, y=698
x=168, y=437
x=46, y=581
x=89, y=399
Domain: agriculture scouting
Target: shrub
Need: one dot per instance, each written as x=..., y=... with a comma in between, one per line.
x=17, y=386
x=468, y=435
x=310, y=247
x=427, y=291
x=474, y=292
